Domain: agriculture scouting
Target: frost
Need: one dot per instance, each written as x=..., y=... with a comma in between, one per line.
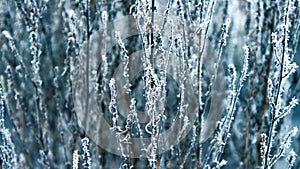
x=7, y=35
x=149, y=84
x=75, y=159
x=86, y=153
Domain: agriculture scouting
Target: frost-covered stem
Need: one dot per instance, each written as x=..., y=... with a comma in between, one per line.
x=35, y=62
x=115, y=116
x=208, y=19
x=86, y=156
x=202, y=33
x=15, y=51
x=166, y=14
x=292, y=159
x=104, y=80
x=135, y=116
x=75, y=159
x=199, y=86
x=152, y=90
x=87, y=64
x=223, y=43
x=270, y=139
x=124, y=53
x=7, y=148
x=152, y=31
x=199, y=70
x=258, y=50
x=278, y=91
x=286, y=143
x=199, y=67
x=35, y=51
x=229, y=118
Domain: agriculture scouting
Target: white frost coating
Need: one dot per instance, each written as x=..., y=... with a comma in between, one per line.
x=7, y=35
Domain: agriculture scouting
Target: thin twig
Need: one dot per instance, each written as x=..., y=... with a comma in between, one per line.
x=152, y=31
x=270, y=135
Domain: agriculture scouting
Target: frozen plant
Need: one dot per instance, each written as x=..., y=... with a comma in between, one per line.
x=149, y=84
